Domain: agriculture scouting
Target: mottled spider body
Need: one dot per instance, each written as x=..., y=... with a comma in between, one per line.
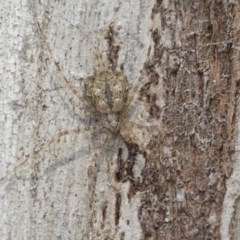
x=107, y=91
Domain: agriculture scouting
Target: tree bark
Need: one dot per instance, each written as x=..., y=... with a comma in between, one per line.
x=171, y=171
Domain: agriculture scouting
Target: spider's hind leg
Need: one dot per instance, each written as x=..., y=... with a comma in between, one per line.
x=93, y=170
x=24, y=168
x=94, y=166
x=141, y=135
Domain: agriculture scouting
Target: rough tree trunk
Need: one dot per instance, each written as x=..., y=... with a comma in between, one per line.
x=171, y=172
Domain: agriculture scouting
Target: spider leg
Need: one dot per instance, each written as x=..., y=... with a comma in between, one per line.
x=92, y=175
x=41, y=147
x=100, y=63
x=127, y=133
x=63, y=79
x=92, y=169
x=132, y=96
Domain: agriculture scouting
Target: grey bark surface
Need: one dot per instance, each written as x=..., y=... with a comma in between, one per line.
x=171, y=171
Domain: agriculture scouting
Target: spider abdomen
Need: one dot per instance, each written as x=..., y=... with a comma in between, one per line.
x=107, y=91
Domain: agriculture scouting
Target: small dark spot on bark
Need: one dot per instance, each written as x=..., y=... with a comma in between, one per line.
x=120, y=166
x=118, y=208
x=157, y=7
x=44, y=107
x=156, y=37
x=104, y=211
x=122, y=237
x=124, y=168
x=155, y=111
x=113, y=47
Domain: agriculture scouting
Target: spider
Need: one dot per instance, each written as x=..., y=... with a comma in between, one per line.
x=108, y=94
x=109, y=98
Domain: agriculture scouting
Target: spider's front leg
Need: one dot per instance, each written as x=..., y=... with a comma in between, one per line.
x=74, y=97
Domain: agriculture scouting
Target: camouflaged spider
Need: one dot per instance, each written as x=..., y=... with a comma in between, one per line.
x=110, y=97
x=107, y=92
